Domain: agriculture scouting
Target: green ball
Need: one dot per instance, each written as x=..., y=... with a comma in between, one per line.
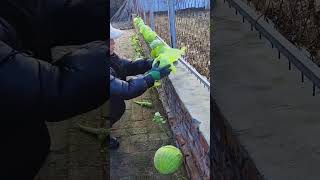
x=168, y=159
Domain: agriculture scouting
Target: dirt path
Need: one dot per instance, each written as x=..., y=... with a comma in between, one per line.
x=139, y=136
x=123, y=44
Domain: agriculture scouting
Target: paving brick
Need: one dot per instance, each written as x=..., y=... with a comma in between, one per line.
x=86, y=173
x=140, y=124
x=138, y=138
x=128, y=178
x=125, y=146
x=148, y=114
x=119, y=132
x=150, y=145
x=136, y=112
x=124, y=122
x=128, y=105
x=136, y=131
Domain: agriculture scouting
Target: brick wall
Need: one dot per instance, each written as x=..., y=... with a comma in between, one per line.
x=229, y=160
x=186, y=133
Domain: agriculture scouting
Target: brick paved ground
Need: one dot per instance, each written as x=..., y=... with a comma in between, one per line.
x=139, y=136
x=75, y=155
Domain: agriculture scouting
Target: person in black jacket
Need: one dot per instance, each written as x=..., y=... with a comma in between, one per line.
x=33, y=89
x=122, y=89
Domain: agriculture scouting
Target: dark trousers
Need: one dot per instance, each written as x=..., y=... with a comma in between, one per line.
x=25, y=151
x=117, y=109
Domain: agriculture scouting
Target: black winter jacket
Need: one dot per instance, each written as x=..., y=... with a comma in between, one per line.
x=41, y=24
x=32, y=90
x=79, y=78
x=134, y=87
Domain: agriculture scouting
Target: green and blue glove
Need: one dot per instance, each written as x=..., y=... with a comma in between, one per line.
x=158, y=73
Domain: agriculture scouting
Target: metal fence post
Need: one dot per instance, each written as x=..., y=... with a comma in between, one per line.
x=144, y=11
x=208, y=4
x=152, y=15
x=172, y=18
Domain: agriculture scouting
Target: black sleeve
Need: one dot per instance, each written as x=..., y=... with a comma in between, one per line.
x=54, y=92
x=136, y=67
x=79, y=21
x=130, y=89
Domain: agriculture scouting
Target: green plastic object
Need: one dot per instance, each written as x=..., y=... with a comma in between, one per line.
x=168, y=159
x=173, y=54
x=140, y=24
x=162, y=48
x=158, y=50
x=169, y=56
x=164, y=60
x=155, y=43
x=144, y=28
x=149, y=36
x=137, y=20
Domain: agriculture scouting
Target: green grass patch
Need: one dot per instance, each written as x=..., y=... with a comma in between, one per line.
x=135, y=42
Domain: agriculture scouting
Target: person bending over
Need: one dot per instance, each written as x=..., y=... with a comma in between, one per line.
x=122, y=89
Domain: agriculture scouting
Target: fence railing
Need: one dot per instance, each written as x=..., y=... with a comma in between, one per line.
x=293, y=54
x=201, y=78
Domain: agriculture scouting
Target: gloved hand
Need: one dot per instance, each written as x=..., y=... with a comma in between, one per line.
x=158, y=73
x=150, y=62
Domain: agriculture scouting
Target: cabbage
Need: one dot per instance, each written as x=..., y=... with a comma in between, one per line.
x=168, y=159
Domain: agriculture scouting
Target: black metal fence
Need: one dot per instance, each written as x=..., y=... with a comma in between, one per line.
x=294, y=55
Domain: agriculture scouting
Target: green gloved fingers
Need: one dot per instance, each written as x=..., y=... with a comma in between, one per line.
x=158, y=73
x=155, y=75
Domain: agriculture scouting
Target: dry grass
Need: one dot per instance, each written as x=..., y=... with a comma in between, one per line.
x=192, y=30
x=297, y=20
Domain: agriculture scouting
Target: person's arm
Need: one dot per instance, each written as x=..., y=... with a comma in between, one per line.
x=136, y=67
x=78, y=21
x=78, y=84
x=130, y=89
x=137, y=85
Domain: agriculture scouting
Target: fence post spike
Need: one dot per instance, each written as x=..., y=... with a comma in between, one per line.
x=289, y=65
x=260, y=35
